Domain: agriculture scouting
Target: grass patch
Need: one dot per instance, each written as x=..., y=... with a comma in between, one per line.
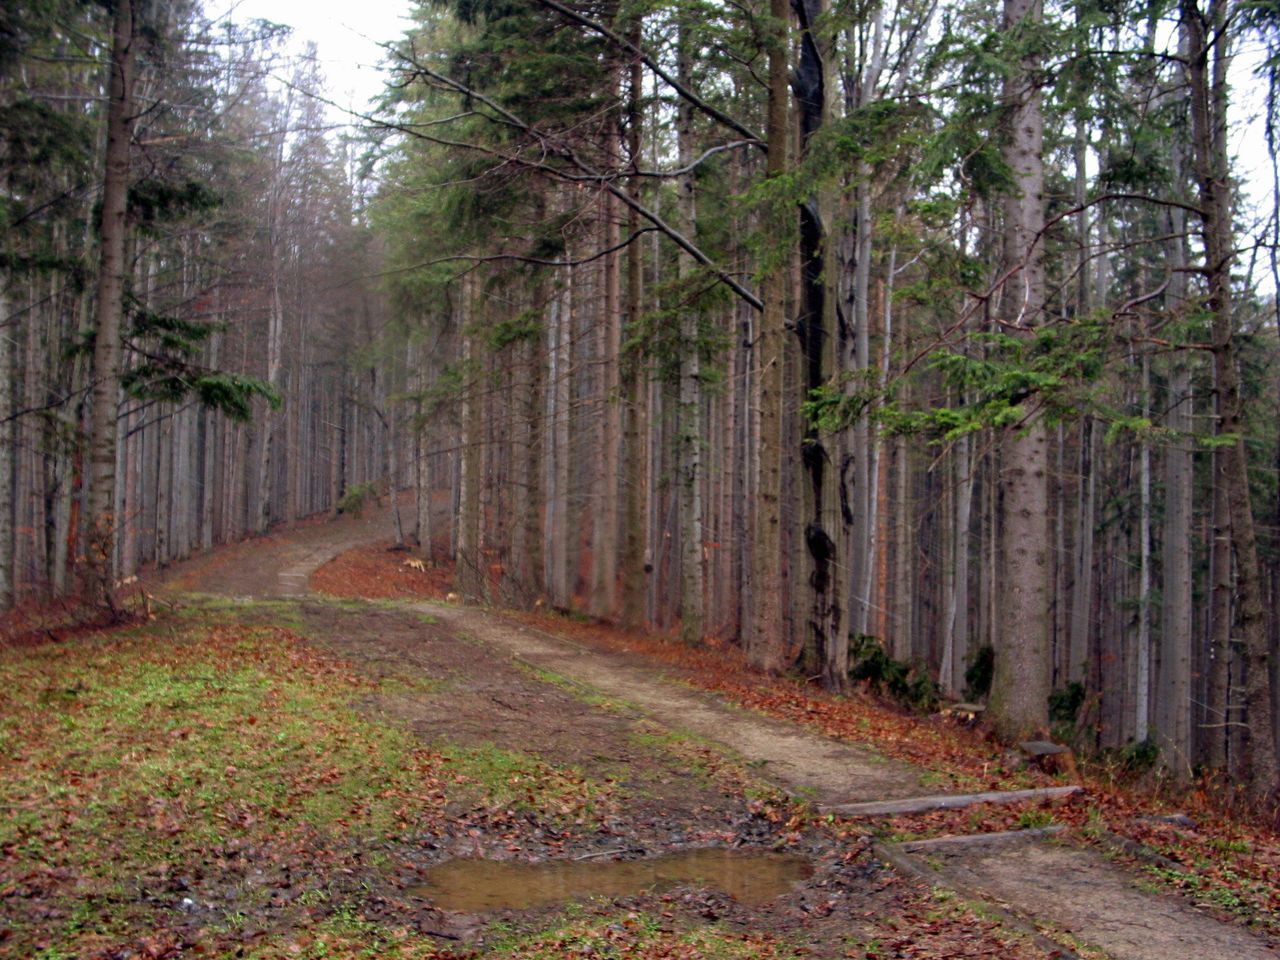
x=690, y=754
x=347, y=935
x=638, y=936
x=197, y=609
x=496, y=779
x=1231, y=894
x=1035, y=819
x=132, y=766
x=579, y=691
x=356, y=604
x=579, y=932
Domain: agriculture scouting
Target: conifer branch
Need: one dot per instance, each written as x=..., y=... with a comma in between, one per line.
x=681, y=90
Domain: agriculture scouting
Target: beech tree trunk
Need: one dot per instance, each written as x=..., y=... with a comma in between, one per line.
x=1173, y=707
x=469, y=577
x=604, y=552
x=556, y=459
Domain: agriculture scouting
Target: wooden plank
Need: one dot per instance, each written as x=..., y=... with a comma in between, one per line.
x=891, y=808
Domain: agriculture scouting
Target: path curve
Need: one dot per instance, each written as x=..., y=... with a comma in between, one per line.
x=1076, y=890
x=279, y=564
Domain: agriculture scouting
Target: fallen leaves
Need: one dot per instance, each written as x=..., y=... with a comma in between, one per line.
x=377, y=573
x=204, y=764
x=1234, y=865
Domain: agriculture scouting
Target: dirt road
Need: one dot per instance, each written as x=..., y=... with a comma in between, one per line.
x=618, y=719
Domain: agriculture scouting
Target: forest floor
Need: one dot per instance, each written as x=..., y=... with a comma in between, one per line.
x=302, y=756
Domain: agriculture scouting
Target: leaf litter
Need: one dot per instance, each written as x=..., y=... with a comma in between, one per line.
x=215, y=785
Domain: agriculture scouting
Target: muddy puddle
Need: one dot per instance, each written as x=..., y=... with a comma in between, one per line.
x=478, y=886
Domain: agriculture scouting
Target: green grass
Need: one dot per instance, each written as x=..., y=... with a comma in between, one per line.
x=579, y=691
x=1209, y=890
x=199, y=608
x=634, y=936
x=694, y=756
x=494, y=778
x=576, y=932
x=412, y=684
x=148, y=753
x=347, y=935
x=1035, y=819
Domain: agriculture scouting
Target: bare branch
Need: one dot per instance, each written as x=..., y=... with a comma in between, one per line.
x=539, y=261
x=684, y=92
x=659, y=174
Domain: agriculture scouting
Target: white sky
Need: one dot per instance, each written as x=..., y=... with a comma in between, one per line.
x=347, y=35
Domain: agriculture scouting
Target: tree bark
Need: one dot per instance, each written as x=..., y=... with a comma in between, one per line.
x=470, y=575
x=7, y=451
x=557, y=449
x=767, y=644
x=1208, y=42
x=100, y=547
x=689, y=434
x=1173, y=721
x=1020, y=686
x=816, y=327
x=635, y=387
x=604, y=552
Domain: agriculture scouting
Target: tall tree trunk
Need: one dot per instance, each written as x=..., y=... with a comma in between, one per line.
x=635, y=572
x=529, y=493
x=556, y=459
x=1208, y=48
x=816, y=326
x=100, y=548
x=1173, y=720
x=338, y=449
x=422, y=436
x=393, y=472
x=269, y=424
x=1083, y=582
x=1142, y=680
x=7, y=450
x=1176, y=618
x=689, y=436
x=1020, y=686
x=604, y=552
x=469, y=577
x=767, y=643
x=860, y=455
x=956, y=634
x=1077, y=633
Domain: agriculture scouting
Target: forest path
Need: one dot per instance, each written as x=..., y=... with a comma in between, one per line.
x=803, y=763
x=1109, y=910
x=275, y=565
x=1101, y=906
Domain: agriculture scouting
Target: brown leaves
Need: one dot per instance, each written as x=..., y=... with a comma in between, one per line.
x=373, y=573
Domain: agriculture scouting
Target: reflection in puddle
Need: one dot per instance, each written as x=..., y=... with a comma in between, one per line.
x=476, y=886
